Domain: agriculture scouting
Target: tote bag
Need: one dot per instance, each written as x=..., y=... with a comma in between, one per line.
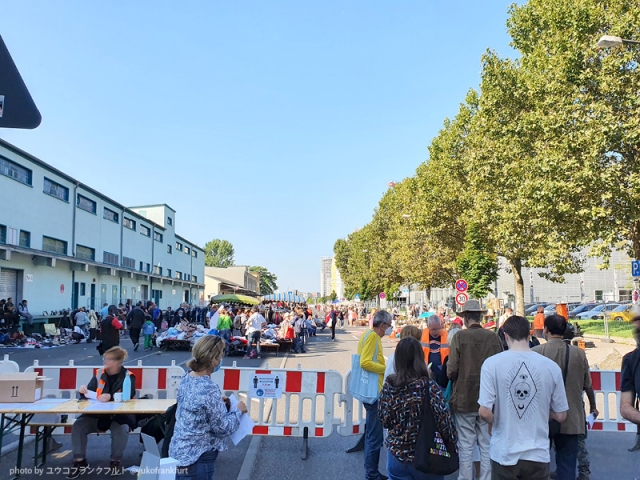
x=433, y=455
x=364, y=384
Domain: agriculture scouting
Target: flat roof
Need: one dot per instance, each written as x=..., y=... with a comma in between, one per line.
x=156, y=205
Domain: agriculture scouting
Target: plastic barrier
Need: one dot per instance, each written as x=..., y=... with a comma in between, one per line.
x=9, y=366
x=354, y=412
x=64, y=380
x=306, y=409
x=606, y=385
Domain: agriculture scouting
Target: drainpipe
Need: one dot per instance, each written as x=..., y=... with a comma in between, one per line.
x=153, y=248
x=73, y=238
x=122, y=300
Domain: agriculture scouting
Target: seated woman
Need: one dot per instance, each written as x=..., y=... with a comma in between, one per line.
x=109, y=381
x=203, y=419
x=399, y=409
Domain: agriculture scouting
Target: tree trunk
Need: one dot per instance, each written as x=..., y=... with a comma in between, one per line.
x=635, y=240
x=516, y=268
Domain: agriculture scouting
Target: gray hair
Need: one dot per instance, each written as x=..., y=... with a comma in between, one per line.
x=434, y=320
x=380, y=317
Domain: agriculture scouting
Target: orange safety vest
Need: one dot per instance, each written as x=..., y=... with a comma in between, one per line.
x=426, y=344
x=102, y=383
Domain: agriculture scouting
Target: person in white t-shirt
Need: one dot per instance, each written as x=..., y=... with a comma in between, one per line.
x=254, y=329
x=524, y=389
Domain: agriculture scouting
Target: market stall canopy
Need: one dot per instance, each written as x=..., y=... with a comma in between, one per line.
x=284, y=297
x=233, y=298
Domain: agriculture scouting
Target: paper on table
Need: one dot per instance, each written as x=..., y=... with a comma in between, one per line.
x=109, y=406
x=91, y=395
x=591, y=420
x=246, y=424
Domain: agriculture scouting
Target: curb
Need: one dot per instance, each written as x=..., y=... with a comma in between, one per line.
x=13, y=446
x=251, y=456
x=620, y=340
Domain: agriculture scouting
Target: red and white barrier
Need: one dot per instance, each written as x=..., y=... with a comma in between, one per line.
x=354, y=412
x=316, y=390
x=606, y=385
x=64, y=380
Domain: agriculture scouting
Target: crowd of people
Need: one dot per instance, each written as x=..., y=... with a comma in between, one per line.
x=497, y=403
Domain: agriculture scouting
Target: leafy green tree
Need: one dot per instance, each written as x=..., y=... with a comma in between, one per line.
x=218, y=253
x=268, y=280
x=477, y=264
x=333, y=295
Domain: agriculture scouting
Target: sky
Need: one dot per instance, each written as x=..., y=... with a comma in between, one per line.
x=276, y=125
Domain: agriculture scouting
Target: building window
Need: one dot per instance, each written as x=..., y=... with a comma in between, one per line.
x=141, y=266
x=128, y=262
x=110, y=258
x=169, y=221
x=110, y=215
x=56, y=190
x=157, y=236
x=86, y=204
x=195, y=279
x=148, y=268
x=178, y=246
x=130, y=224
x=144, y=230
x=54, y=245
x=179, y=275
x=169, y=272
x=83, y=289
x=3, y=234
x=85, y=253
x=194, y=253
x=187, y=277
x=157, y=270
x=187, y=250
x=25, y=239
x=15, y=171
x=168, y=248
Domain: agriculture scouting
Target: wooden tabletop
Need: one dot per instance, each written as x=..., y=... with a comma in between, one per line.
x=50, y=405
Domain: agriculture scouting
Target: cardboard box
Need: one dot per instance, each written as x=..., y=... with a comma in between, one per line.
x=152, y=467
x=23, y=387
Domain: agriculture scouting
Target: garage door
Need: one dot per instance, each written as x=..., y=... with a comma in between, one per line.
x=9, y=284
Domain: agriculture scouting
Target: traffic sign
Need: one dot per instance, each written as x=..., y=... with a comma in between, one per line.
x=356, y=297
x=636, y=295
x=382, y=295
x=635, y=268
x=461, y=285
x=461, y=298
x=406, y=290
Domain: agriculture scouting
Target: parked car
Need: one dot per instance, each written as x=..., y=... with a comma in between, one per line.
x=598, y=312
x=581, y=308
x=533, y=308
x=590, y=314
x=623, y=313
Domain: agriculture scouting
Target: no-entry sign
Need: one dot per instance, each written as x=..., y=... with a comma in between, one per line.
x=382, y=295
x=461, y=285
x=461, y=298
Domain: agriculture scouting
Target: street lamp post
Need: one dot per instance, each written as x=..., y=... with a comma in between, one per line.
x=613, y=41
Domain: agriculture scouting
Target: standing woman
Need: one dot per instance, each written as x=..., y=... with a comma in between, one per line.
x=400, y=410
x=203, y=420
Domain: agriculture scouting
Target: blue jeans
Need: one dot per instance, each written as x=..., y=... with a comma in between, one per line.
x=225, y=335
x=201, y=470
x=298, y=344
x=372, y=442
x=566, y=456
x=405, y=471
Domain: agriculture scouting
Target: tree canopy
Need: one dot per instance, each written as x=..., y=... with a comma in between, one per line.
x=218, y=253
x=540, y=164
x=268, y=280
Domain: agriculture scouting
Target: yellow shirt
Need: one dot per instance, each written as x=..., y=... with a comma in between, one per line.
x=366, y=350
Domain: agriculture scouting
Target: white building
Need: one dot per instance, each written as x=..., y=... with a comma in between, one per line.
x=325, y=276
x=64, y=244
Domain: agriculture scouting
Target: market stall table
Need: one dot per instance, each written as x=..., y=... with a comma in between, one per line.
x=18, y=415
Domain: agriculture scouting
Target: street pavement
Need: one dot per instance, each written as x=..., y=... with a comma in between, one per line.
x=280, y=457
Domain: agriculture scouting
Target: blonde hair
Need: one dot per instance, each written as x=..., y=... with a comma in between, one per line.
x=119, y=354
x=207, y=353
x=411, y=331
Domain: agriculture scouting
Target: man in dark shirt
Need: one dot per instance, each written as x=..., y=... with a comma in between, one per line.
x=630, y=382
x=136, y=318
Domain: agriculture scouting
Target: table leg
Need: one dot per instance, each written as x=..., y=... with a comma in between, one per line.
x=24, y=419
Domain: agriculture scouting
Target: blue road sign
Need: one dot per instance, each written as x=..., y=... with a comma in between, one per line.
x=635, y=268
x=356, y=296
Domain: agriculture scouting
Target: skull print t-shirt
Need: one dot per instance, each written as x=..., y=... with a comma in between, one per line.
x=523, y=387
